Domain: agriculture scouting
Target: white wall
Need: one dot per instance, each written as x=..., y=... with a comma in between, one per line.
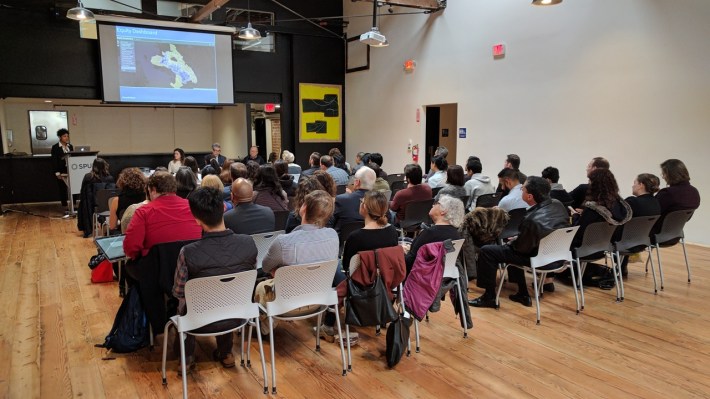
x=230, y=131
x=627, y=80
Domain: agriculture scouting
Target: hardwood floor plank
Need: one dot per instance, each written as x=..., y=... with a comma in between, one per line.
x=649, y=346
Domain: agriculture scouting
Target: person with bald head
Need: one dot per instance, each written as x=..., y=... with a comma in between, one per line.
x=247, y=217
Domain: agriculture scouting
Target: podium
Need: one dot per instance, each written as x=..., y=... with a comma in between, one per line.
x=79, y=163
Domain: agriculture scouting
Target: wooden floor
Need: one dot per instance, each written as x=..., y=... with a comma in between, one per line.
x=649, y=346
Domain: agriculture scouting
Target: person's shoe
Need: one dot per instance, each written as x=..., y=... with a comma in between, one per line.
x=189, y=363
x=436, y=306
x=226, y=360
x=548, y=287
x=326, y=332
x=522, y=299
x=482, y=302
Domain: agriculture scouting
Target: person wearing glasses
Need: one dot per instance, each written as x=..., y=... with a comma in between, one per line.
x=216, y=154
x=447, y=214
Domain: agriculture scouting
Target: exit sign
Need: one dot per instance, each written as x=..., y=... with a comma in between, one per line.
x=498, y=50
x=269, y=107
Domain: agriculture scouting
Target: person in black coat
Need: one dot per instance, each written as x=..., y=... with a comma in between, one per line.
x=98, y=178
x=643, y=203
x=254, y=156
x=216, y=153
x=59, y=166
x=247, y=217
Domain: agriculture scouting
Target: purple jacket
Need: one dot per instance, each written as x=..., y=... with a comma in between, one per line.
x=423, y=282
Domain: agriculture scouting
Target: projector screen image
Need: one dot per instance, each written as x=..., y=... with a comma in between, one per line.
x=142, y=64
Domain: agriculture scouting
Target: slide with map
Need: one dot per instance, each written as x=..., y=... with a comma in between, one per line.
x=158, y=65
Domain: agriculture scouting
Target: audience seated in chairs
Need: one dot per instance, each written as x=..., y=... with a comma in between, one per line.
x=131, y=182
x=509, y=179
x=603, y=204
x=305, y=187
x=454, y=183
x=268, y=191
x=326, y=180
x=642, y=203
x=99, y=178
x=340, y=176
x=286, y=180
x=215, y=182
x=447, y=215
x=166, y=218
x=377, y=233
x=552, y=175
x=381, y=183
x=477, y=184
x=580, y=192
x=544, y=216
x=679, y=194
x=213, y=255
x=378, y=160
x=438, y=178
x=289, y=158
x=247, y=217
x=313, y=163
x=415, y=191
x=347, y=206
x=308, y=243
x=186, y=182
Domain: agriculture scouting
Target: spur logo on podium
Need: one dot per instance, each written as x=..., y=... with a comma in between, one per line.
x=81, y=166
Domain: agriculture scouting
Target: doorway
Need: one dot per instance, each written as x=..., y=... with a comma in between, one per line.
x=265, y=128
x=440, y=130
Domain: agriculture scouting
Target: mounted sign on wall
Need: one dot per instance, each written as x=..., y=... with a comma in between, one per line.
x=498, y=51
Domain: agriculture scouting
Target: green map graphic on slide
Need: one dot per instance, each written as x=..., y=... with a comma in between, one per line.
x=174, y=61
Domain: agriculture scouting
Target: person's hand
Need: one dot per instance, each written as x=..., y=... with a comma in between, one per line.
x=406, y=246
x=59, y=176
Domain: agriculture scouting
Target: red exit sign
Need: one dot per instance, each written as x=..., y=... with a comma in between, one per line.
x=499, y=50
x=269, y=107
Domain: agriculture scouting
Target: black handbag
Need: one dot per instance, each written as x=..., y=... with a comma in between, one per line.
x=397, y=340
x=369, y=305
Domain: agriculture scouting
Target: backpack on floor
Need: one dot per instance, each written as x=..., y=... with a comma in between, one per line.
x=130, y=327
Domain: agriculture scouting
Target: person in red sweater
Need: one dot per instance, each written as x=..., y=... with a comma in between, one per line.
x=165, y=218
x=415, y=191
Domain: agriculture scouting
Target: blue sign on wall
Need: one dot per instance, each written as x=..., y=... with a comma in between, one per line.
x=462, y=132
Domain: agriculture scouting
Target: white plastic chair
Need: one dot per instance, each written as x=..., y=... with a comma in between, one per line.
x=300, y=286
x=211, y=299
x=553, y=248
x=450, y=271
x=263, y=242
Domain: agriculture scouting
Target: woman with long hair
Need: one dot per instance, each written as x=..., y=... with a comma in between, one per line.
x=98, y=178
x=177, y=161
x=286, y=180
x=602, y=203
x=306, y=186
x=131, y=182
x=268, y=191
x=186, y=182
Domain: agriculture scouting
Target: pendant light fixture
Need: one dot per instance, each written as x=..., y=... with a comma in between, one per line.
x=79, y=13
x=546, y=2
x=249, y=33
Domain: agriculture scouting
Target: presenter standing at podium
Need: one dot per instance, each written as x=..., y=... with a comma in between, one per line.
x=58, y=163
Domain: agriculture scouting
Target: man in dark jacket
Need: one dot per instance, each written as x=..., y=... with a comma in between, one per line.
x=247, y=217
x=213, y=255
x=59, y=166
x=544, y=216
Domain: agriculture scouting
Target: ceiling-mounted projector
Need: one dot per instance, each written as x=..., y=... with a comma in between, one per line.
x=373, y=38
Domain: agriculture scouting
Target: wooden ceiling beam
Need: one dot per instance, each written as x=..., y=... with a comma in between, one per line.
x=433, y=5
x=208, y=9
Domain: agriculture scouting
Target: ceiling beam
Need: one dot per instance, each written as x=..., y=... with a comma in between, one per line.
x=208, y=9
x=432, y=5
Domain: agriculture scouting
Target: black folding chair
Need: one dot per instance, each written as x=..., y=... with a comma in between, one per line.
x=634, y=239
x=488, y=200
x=416, y=213
x=280, y=219
x=596, y=244
x=671, y=233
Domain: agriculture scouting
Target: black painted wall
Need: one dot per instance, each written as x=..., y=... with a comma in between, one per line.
x=43, y=57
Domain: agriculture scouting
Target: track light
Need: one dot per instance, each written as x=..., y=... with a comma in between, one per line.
x=79, y=13
x=546, y=2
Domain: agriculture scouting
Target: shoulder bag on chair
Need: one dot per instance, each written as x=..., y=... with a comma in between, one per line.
x=369, y=305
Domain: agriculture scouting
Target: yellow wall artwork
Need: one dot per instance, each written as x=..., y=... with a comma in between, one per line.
x=321, y=110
